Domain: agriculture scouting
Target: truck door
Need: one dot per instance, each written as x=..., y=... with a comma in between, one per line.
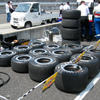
x=35, y=14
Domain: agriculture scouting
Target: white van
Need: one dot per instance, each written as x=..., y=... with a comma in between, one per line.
x=28, y=14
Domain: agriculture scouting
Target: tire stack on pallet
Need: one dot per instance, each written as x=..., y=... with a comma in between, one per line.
x=70, y=28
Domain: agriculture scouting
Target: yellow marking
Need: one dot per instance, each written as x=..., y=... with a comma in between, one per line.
x=49, y=81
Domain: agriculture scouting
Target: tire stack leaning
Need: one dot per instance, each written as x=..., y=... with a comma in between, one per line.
x=70, y=28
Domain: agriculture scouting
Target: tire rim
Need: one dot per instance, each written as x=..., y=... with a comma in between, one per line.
x=22, y=47
x=59, y=52
x=23, y=58
x=43, y=60
x=39, y=51
x=72, y=68
x=53, y=46
x=36, y=43
x=86, y=58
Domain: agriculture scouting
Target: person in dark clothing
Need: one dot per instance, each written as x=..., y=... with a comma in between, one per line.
x=84, y=20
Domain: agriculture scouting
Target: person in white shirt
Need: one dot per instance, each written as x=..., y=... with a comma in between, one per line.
x=84, y=20
x=8, y=11
x=61, y=9
x=66, y=6
x=96, y=12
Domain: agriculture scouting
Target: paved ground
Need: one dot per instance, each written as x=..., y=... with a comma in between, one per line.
x=21, y=83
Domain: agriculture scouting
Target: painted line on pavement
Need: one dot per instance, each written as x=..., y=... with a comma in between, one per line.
x=88, y=88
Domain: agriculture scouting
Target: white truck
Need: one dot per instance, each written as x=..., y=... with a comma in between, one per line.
x=28, y=14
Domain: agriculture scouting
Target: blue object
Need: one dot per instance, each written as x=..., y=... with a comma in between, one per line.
x=97, y=27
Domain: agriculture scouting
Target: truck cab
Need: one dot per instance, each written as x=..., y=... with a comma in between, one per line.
x=26, y=15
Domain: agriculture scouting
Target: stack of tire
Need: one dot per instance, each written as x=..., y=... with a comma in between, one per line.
x=70, y=28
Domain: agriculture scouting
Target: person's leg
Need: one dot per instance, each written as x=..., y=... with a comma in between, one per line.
x=8, y=17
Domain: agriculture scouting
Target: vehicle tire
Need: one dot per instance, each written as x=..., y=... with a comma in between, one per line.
x=70, y=42
x=96, y=53
x=70, y=23
x=61, y=54
x=19, y=63
x=74, y=48
x=15, y=27
x=5, y=57
x=38, y=52
x=42, y=67
x=28, y=24
x=36, y=44
x=22, y=49
x=89, y=61
x=70, y=34
x=52, y=46
x=71, y=77
x=71, y=14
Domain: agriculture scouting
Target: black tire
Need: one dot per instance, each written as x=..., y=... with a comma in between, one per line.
x=70, y=42
x=89, y=61
x=42, y=67
x=75, y=48
x=52, y=46
x=70, y=34
x=36, y=44
x=70, y=23
x=5, y=57
x=96, y=53
x=28, y=24
x=71, y=77
x=15, y=27
x=22, y=49
x=61, y=54
x=38, y=52
x=71, y=14
x=19, y=63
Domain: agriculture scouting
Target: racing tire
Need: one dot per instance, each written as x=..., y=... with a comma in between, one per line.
x=36, y=44
x=52, y=47
x=19, y=63
x=38, y=52
x=42, y=67
x=71, y=14
x=61, y=54
x=22, y=49
x=70, y=23
x=74, y=48
x=70, y=34
x=89, y=61
x=71, y=77
x=5, y=57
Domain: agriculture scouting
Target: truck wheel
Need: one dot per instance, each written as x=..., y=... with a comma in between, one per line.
x=15, y=27
x=28, y=24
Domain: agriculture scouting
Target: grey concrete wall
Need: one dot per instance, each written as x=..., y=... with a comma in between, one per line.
x=32, y=33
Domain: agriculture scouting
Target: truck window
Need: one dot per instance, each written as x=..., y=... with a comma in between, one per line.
x=22, y=8
x=35, y=8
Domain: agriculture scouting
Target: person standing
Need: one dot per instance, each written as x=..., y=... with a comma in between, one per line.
x=8, y=11
x=11, y=7
x=61, y=9
x=96, y=12
x=66, y=6
x=84, y=20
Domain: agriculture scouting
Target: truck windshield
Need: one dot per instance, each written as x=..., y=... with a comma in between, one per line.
x=22, y=8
